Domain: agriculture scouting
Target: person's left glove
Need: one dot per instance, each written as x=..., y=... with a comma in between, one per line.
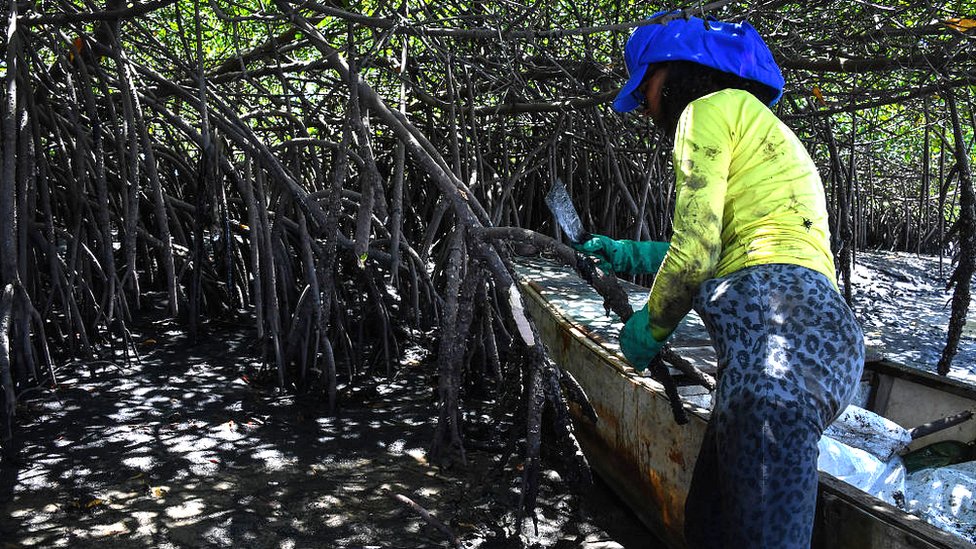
x=625, y=256
x=636, y=341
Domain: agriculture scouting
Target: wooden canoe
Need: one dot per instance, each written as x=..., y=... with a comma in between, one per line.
x=648, y=459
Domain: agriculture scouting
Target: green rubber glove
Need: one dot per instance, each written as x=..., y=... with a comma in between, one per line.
x=636, y=341
x=625, y=256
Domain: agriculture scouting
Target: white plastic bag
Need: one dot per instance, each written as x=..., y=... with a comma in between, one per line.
x=885, y=481
x=890, y=486
x=943, y=496
x=864, y=429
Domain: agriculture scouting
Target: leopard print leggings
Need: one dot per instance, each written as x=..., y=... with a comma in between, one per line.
x=790, y=357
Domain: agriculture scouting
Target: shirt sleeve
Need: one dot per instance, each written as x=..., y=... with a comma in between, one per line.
x=702, y=155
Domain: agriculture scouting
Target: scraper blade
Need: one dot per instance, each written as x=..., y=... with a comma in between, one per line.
x=561, y=206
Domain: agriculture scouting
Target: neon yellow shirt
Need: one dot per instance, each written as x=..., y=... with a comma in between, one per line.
x=748, y=194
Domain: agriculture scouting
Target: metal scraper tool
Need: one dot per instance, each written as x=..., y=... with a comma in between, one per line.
x=561, y=206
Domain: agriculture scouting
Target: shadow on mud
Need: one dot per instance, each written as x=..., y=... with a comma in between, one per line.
x=180, y=450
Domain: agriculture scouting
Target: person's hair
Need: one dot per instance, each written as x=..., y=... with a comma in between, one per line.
x=687, y=81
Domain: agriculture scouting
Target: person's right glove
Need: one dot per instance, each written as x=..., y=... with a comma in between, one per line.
x=625, y=256
x=636, y=341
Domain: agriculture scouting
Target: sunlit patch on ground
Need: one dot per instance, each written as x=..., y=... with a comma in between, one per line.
x=903, y=305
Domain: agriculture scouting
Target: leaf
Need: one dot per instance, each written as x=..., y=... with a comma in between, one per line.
x=819, y=95
x=94, y=502
x=76, y=46
x=960, y=24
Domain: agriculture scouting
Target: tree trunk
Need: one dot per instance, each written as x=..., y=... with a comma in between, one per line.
x=966, y=259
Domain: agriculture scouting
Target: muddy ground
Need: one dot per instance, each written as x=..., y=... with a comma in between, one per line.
x=183, y=449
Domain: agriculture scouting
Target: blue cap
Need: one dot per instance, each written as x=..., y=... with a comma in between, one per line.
x=729, y=47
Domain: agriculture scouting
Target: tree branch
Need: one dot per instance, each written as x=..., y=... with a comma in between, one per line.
x=107, y=15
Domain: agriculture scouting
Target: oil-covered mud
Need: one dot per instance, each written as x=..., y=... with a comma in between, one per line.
x=904, y=306
x=183, y=449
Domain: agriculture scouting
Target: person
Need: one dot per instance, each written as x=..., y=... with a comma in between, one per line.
x=750, y=252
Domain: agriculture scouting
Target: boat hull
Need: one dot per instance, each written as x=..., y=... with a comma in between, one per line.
x=647, y=459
